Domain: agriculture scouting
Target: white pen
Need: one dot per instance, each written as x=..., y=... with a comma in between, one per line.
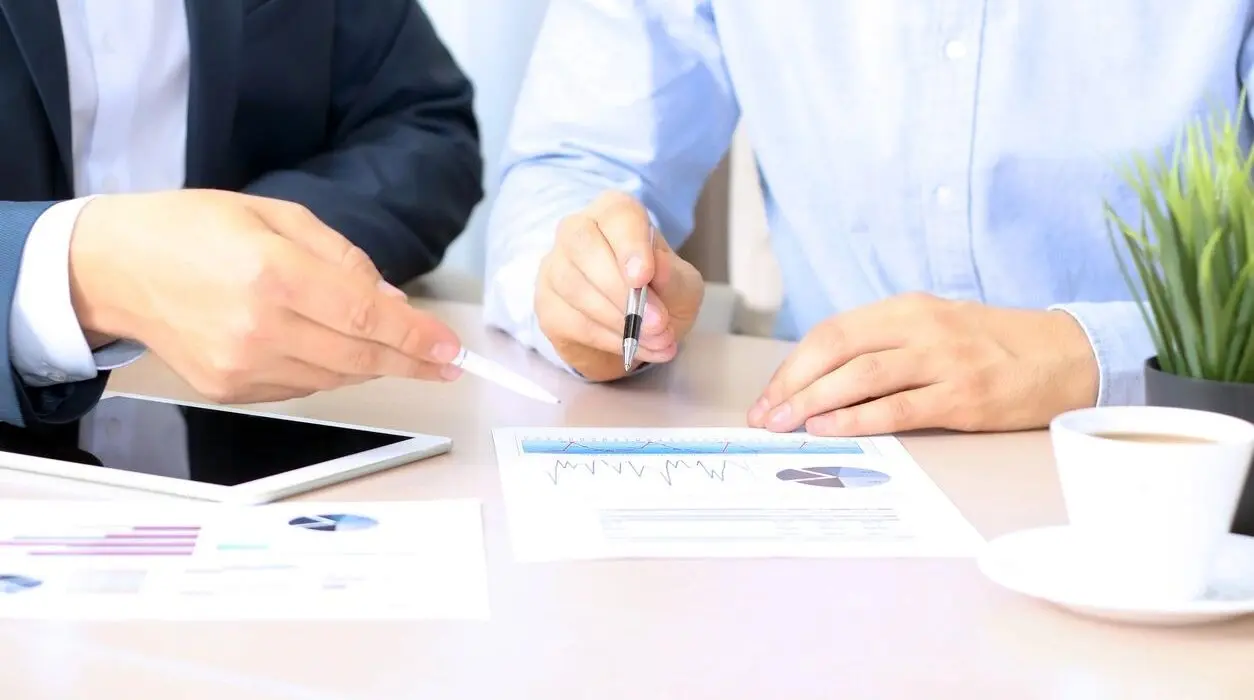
x=487, y=369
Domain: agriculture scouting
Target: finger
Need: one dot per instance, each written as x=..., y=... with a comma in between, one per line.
x=831, y=344
x=563, y=323
x=585, y=246
x=267, y=392
x=584, y=274
x=354, y=307
x=916, y=409
x=298, y=224
x=564, y=276
x=317, y=346
x=625, y=225
x=675, y=278
x=864, y=377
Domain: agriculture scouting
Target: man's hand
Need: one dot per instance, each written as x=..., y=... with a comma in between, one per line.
x=581, y=295
x=915, y=361
x=248, y=299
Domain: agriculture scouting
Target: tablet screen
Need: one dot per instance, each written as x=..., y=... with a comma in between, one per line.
x=189, y=442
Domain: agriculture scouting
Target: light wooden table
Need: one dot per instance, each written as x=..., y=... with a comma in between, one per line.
x=649, y=630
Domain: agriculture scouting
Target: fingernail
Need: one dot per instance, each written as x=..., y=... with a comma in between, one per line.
x=634, y=266
x=450, y=372
x=392, y=291
x=444, y=352
x=758, y=411
x=652, y=319
x=779, y=417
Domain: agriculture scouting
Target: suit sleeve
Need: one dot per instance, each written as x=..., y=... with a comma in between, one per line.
x=20, y=403
x=403, y=171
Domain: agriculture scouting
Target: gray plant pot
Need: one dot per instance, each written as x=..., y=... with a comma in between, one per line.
x=1164, y=389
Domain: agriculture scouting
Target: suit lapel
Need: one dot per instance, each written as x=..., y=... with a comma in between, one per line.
x=36, y=26
x=215, y=29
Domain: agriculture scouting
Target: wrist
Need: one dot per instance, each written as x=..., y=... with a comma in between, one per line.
x=1080, y=372
x=93, y=276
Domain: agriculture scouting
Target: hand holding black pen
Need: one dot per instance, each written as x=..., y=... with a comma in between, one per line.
x=605, y=253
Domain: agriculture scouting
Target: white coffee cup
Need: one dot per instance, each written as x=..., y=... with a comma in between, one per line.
x=1150, y=493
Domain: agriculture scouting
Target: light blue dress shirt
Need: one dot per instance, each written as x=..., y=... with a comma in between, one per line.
x=960, y=147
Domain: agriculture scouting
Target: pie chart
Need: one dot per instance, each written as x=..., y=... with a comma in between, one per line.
x=834, y=477
x=334, y=522
x=11, y=583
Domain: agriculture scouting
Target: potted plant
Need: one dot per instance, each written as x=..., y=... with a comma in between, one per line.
x=1192, y=269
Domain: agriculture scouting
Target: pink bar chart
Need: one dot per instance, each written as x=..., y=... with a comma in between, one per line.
x=126, y=540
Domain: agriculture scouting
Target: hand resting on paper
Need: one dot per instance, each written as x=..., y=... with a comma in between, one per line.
x=916, y=361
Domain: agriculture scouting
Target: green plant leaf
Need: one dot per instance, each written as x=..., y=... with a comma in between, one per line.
x=1239, y=307
x=1158, y=335
x=1189, y=263
x=1214, y=330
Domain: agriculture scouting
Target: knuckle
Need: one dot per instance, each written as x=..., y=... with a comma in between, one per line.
x=900, y=409
x=574, y=229
x=363, y=316
x=356, y=259
x=224, y=380
x=977, y=383
x=413, y=342
x=362, y=358
x=832, y=334
x=870, y=370
x=267, y=282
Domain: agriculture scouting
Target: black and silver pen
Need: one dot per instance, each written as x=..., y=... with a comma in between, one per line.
x=637, y=299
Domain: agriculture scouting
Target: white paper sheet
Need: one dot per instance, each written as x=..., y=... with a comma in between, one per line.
x=291, y=560
x=618, y=493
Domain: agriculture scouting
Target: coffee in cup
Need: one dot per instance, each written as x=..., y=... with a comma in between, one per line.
x=1151, y=492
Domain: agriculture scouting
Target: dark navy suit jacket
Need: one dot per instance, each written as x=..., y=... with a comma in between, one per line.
x=353, y=108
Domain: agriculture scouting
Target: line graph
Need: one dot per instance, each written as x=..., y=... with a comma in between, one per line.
x=782, y=445
x=666, y=471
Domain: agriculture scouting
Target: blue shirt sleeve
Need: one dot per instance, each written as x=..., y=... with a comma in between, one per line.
x=626, y=96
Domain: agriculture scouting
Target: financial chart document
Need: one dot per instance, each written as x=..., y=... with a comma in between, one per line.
x=707, y=492
x=182, y=560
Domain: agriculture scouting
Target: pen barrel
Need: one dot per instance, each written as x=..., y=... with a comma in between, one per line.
x=631, y=326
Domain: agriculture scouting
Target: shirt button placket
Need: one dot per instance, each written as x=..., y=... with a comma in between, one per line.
x=951, y=99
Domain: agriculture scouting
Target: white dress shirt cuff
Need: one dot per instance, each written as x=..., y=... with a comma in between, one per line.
x=46, y=343
x=1121, y=344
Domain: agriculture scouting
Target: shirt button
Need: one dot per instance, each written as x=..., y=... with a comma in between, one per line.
x=955, y=49
x=944, y=195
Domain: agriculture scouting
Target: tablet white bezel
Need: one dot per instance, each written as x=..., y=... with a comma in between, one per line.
x=418, y=446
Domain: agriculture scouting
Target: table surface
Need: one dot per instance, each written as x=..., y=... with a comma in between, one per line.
x=647, y=629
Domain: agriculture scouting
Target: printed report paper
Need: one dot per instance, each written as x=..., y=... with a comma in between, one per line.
x=620, y=493
x=291, y=560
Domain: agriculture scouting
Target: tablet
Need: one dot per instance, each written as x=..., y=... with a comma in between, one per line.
x=207, y=452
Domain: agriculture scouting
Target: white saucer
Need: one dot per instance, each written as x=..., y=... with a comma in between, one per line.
x=1053, y=564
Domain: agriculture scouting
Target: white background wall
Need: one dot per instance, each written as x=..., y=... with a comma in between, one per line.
x=492, y=40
